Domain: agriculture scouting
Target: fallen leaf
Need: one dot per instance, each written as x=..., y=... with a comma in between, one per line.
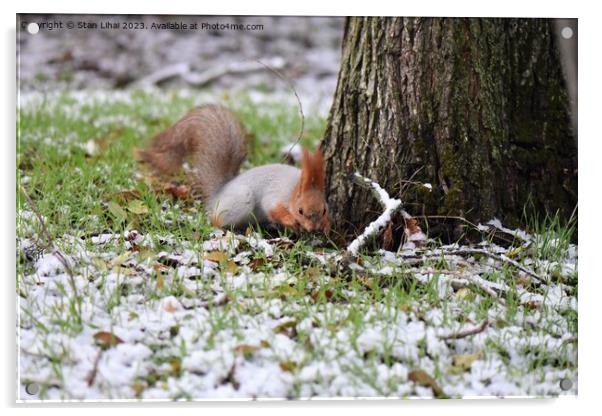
x=246, y=349
x=138, y=389
x=231, y=267
x=119, y=260
x=106, y=339
x=171, y=304
x=256, y=263
x=286, y=291
x=422, y=378
x=465, y=293
x=216, y=256
x=123, y=196
x=118, y=212
x=413, y=232
x=137, y=207
x=315, y=295
x=285, y=327
x=462, y=362
x=405, y=307
x=514, y=252
x=289, y=366
x=533, y=304
x=176, y=366
x=388, y=237
x=99, y=263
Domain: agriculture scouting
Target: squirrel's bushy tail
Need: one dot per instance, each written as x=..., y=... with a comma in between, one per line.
x=209, y=138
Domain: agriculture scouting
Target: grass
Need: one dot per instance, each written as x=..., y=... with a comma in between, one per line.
x=214, y=324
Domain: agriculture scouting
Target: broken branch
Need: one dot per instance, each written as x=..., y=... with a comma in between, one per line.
x=390, y=205
x=468, y=332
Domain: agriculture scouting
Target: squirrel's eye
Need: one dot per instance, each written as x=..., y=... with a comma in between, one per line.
x=324, y=212
x=301, y=211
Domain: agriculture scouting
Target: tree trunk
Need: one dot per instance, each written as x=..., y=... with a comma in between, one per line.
x=475, y=107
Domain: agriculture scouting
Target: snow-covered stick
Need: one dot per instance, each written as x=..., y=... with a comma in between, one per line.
x=465, y=251
x=499, y=257
x=467, y=332
x=390, y=205
x=497, y=225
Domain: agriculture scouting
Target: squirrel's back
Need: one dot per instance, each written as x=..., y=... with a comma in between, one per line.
x=210, y=139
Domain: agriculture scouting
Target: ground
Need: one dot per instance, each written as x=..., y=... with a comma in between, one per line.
x=155, y=303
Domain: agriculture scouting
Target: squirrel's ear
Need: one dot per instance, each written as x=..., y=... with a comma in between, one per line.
x=306, y=174
x=318, y=170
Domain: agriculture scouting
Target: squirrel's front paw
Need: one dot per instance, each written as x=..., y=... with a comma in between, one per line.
x=281, y=215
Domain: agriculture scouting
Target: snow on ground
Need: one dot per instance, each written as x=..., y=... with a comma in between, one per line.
x=220, y=315
x=215, y=328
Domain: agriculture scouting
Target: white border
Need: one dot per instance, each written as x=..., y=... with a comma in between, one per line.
x=590, y=373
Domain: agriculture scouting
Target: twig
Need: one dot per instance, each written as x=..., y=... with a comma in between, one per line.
x=50, y=241
x=390, y=205
x=469, y=251
x=479, y=284
x=292, y=87
x=497, y=225
x=499, y=257
x=501, y=236
x=468, y=332
x=92, y=375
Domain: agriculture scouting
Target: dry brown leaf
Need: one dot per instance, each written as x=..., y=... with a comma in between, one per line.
x=413, y=232
x=231, y=267
x=533, y=304
x=256, y=264
x=285, y=327
x=171, y=305
x=138, y=389
x=289, y=366
x=176, y=366
x=388, y=237
x=106, y=339
x=216, y=256
x=422, y=378
x=246, y=349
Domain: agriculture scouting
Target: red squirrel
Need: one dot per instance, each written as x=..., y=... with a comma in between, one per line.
x=212, y=141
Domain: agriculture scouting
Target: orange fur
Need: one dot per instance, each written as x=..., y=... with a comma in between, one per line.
x=312, y=171
x=308, y=203
x=282, y=215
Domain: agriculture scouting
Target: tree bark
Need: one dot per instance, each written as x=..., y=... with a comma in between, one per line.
x=476, y=107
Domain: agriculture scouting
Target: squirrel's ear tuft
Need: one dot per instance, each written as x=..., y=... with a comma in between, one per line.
x=318, y=170
x=312, y=173
x=306, y=171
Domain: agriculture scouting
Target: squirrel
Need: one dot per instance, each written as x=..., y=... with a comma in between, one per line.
x=211, y=139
